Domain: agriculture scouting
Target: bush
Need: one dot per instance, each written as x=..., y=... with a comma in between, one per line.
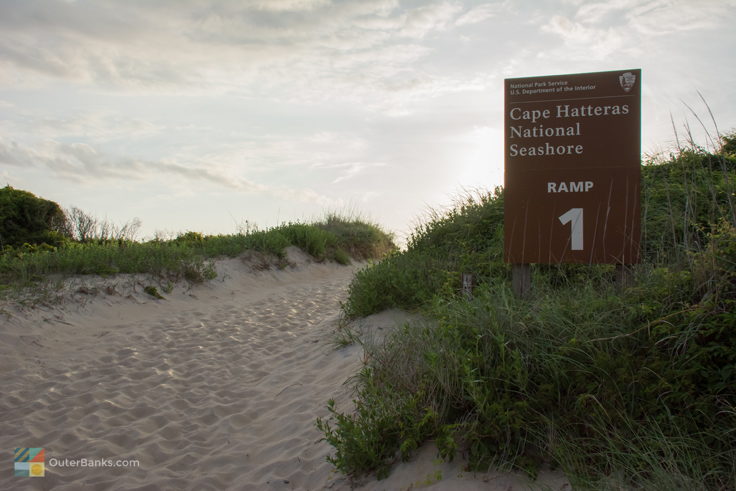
x=467, y=239
x=358, y=238
x=27, y=219
x=83, y=227
x=629, y=388
x=682, y=199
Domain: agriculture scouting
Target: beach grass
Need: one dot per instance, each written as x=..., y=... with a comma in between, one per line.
x=189, y=256
x=619, y=387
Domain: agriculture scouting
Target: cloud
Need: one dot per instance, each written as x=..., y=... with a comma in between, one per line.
x=593, y=13
x=655, y=17
x=598, y=30
x=659, y=18
x=83, y=163
x=89, y=125
x=348, y=170
x=307, y=50
x=588, y=42
x=422, y=20
x=480, y=14
x=584, y=41
x=290, y=5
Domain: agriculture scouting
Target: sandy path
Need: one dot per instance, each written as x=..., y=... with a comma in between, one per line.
x=217, y=387
x=220, y=391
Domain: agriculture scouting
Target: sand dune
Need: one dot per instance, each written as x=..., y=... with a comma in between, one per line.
x=215, y=387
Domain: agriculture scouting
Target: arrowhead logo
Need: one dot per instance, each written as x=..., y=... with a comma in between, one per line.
x=627, y=81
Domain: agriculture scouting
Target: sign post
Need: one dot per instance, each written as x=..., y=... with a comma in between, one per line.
x=572, y=158
x=468, y=282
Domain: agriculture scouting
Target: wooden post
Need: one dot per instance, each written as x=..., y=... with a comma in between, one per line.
x=624, y=277
x=521, y=279
x=468, y=283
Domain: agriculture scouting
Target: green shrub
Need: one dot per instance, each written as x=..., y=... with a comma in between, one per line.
x=190, y=237
x=272, y=242
x=342, y=257
x=400, y=280
x=621, y=388
x=728, y=147
x=381, y=429
x=25, y=218
x=467, y=239
x=360, y=239
x=681, y=200
x=153, y=291
x=312, y=240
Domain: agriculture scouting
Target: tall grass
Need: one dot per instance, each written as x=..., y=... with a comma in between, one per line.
x=189, y=255
x=620, y=388
x=468, y=238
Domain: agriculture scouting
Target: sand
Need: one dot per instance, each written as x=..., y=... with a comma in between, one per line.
x=216, y=386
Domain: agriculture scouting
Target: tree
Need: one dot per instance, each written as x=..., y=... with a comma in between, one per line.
x=26, y=218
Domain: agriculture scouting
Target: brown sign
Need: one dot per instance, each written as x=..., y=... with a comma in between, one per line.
x=572, y=157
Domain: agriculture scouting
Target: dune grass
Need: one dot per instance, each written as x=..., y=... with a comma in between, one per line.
x=629, y=388
x=190, y=255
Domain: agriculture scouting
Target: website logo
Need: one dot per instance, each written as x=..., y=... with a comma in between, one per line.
x=29, y=462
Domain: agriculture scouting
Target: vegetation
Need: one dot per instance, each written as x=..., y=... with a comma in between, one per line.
x=25, y=218
x=96, y=247
x=619, y=387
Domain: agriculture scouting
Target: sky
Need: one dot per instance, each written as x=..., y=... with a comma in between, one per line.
x=212, y=116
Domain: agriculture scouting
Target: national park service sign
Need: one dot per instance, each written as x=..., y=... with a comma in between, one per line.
x=572, y=157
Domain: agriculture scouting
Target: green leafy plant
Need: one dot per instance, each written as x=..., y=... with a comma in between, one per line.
x=620, y=387
x=28, y=219
x=153, y=291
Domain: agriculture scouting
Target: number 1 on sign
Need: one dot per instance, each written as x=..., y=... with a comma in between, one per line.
x=575, y=217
